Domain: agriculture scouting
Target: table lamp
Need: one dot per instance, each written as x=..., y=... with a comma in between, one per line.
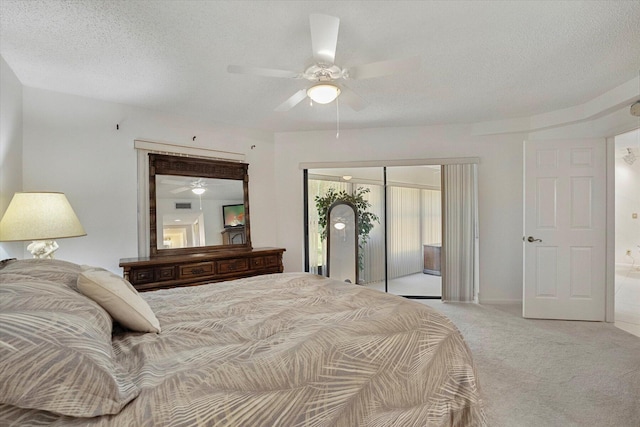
x=41, y=217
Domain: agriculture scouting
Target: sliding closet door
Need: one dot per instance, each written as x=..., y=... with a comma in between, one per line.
x=424, y=240
x=414, y=236
x=365, y=184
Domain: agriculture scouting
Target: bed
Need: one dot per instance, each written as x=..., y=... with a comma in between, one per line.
x=287, y=349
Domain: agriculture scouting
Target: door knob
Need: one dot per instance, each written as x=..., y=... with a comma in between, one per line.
x=530, y=239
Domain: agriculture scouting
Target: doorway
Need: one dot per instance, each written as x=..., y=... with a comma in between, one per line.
x=627, y=232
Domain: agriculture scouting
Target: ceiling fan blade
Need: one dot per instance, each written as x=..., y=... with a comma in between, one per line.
x=180, y=190
x=384, y=68
x=294, y=100
x=172, y=182
x=324, y=37
x=352, y=99
x=266, y=72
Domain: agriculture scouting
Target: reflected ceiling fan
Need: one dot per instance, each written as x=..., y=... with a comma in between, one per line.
x=324, y=73
x=196, y=187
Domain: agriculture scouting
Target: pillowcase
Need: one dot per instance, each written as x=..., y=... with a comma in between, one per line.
x=55, y=350
x=53, y=270
x=119, y=298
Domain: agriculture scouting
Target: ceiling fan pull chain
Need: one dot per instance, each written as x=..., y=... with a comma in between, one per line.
x=337, y=118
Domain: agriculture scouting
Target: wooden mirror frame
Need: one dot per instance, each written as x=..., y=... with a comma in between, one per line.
x=161, y=164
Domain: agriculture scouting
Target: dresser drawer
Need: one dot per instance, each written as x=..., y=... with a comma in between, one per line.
x=165, y=273
x=170, y=271
x=257, y=263
x=196, y=270
x=263, y=263
x=233, y=265
x=142, y=275
x=271, y=261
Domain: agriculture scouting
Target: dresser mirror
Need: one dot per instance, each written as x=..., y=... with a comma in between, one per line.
x=197, y=205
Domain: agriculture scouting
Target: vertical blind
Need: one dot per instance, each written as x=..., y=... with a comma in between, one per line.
x=414, y=221
x=404, y=231
x=431, y=217
x=460, y=206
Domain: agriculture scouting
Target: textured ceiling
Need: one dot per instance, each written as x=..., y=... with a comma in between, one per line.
x=481, y=60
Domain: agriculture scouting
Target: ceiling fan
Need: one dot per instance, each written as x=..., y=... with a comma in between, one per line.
x=197, y=186
x=324, y=73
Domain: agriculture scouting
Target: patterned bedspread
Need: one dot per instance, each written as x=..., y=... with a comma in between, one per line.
x=289, y=349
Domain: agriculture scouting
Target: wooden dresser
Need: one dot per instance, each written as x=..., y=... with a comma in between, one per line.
x=147, y=274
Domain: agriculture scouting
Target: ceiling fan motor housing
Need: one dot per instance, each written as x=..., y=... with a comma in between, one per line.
x=323, y=73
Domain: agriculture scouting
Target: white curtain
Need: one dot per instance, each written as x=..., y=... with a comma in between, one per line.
x=460, y=206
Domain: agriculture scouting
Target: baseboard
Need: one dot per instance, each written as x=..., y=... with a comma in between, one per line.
x=501, y=301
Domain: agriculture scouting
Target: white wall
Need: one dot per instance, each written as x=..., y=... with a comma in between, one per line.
x=71, y=145
x=10, y=149
x=500, y=188
x=499, y=175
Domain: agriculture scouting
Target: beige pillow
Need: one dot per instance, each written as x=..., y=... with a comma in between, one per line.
x=56, y=353
x=119, y=298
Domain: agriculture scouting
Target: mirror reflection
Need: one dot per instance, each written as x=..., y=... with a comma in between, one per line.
x=194, y=212
x=342, y=262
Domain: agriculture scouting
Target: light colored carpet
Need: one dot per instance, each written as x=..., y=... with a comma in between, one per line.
x=547, y=373
x=418, y=284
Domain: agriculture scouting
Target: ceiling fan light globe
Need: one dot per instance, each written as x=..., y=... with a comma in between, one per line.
x=198, y=190
x=323, y=93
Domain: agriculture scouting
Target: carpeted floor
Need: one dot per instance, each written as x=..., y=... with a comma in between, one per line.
x=547, y=373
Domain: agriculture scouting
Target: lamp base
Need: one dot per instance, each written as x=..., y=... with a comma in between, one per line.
x=43, y=249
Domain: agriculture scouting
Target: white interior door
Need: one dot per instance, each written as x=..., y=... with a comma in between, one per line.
x=564, y=229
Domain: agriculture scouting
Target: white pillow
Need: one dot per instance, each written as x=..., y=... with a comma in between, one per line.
x=119, y=298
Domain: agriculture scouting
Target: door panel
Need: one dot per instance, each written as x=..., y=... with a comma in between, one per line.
x=546, y=272
x=565, y=214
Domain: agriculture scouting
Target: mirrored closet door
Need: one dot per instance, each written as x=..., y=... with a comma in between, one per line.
x=414, y=231
x=398, y=220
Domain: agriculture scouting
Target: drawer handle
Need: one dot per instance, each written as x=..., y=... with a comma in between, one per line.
x=197, y=270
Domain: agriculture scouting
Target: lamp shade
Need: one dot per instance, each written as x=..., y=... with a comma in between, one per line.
x=39, y=216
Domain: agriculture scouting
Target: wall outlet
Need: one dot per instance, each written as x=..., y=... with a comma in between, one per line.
x=629, y=252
